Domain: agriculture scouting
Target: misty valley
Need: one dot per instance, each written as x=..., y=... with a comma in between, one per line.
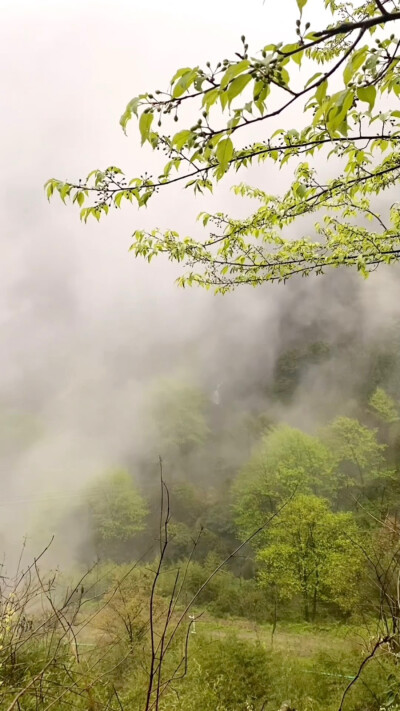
x=250, y=563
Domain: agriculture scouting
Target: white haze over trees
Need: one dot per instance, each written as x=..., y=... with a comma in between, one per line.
x=86, y=330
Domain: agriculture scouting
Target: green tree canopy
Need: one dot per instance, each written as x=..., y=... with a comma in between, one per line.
x=116, y=511
x=337, y=86
x=384, y=407
x=311, y=552
x=286, y=461
x=355, y=449
x=177, y=415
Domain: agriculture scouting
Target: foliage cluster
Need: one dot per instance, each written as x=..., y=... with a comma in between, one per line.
x=337, y=88
x=330, y=495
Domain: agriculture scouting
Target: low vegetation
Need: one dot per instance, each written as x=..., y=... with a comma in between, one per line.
x=281, y=587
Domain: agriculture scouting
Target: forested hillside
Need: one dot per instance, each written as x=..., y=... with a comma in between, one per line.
x=316, y=482
x=281, y=542
x=228, y=470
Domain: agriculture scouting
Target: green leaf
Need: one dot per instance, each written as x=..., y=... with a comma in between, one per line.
x=118, y=198
x=185, y=81
x=179, y=73
x=354, y=63
x=295, y=52
x=367, y=94
x=64, y=191
x=134, y=104
x=321, y=92
x=145, y=122
x=301, y=190
x=236, y=86
x=49, y=188
x=223, y=97
x=233, y=71
x=297, y=57
x=224, y=153
x=209, y=98
x=338, y=108
x=260, y=93
x=132, y=108
x=181, y=138
x=312, y=79
x=301, y=4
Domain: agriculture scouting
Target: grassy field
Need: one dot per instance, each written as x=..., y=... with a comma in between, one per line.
x=306, y=666
x=291, y=638
x=309, y=666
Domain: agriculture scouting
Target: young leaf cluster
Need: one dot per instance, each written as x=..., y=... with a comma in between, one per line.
x=343, y=81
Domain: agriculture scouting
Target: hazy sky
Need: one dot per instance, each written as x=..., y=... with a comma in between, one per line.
x=82, y=323
x=69, y=70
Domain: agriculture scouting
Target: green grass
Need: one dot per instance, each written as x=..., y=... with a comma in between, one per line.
x=308, y=666
x=236, y=665
x=292, y=638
